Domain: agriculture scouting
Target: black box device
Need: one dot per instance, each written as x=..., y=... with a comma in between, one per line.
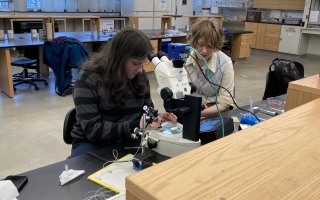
x=211, y=129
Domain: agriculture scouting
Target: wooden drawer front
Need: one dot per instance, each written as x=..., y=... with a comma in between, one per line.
x=246, y=42
x=273, y=34
x=246, y=36
x=253, y=30
x=251, y=25
x=244, y=51
x=271, y=47
x=274, y=27
x=272, y=40
x=154, y=43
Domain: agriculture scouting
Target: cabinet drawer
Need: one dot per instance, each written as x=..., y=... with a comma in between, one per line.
x=274, y=27
x=271, y=47
x=270, y=40
x=246, y=36
x=246, y=42
x=244, y=51
x=253, y=30
x=273, y=34
x=251, y=25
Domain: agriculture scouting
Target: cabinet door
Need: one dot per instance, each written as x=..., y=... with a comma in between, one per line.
x=289, y=39
x=268, y=4
x=149, y=66
x=261, y=35
x=292, y=4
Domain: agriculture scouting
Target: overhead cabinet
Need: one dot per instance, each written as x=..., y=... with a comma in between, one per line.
x=279, y=4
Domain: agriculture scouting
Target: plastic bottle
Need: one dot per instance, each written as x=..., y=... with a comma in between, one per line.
x=47, y=5
x=20, y=5
x=83, y=5
x=94, y=5
x=71, y=5
x=59, y=5
x=103, y=6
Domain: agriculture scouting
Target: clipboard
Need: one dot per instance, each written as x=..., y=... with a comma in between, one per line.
x=113, y=176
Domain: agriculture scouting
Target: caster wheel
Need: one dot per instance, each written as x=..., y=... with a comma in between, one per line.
x=15, y=89
x=36, y=88
x=63, y=94
x=46, y=83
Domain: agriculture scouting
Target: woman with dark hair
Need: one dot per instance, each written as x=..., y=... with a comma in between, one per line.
x=110, y=93
x=207, y=38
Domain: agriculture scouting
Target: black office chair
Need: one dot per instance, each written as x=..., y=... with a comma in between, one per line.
x=69, y=121
x=227, y=45
x=30, y=62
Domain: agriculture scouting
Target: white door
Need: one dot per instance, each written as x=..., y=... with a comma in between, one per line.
x=289, y=39
x=162, y=5
x=144, y=23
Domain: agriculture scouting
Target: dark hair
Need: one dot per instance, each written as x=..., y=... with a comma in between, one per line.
x=110, y=61
x=210, y=31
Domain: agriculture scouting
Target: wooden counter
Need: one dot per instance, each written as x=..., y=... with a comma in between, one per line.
x=302, y=91
x=276, y=159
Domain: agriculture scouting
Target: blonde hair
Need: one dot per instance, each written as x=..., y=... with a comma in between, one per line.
x=209, y=31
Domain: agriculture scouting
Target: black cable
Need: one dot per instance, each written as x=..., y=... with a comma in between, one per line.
x=104, y=160
x=222, y=88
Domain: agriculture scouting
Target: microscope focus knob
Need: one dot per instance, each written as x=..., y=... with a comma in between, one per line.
x=166, y=94
x=183, y=111
x=193, y=87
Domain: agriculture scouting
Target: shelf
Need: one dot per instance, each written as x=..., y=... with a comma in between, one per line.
x=231, y=22
x=232, y=8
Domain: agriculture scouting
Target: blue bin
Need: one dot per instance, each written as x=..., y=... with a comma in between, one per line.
x=165, y=46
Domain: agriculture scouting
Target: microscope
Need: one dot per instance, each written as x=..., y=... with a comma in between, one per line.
x=178, y=97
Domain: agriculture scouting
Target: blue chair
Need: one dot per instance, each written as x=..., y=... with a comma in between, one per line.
x=30, y=62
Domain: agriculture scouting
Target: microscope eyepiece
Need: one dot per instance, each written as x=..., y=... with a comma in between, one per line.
x=151, y=55
x=160, y=54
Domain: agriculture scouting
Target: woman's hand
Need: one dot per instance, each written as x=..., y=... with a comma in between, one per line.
x=161, y=119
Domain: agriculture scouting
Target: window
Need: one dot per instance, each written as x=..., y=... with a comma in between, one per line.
x=33, y=4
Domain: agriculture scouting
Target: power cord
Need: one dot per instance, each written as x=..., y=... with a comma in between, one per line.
x=224, y=89
x=214, y=86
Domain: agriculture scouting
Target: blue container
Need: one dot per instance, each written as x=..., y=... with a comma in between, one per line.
x=165, y=46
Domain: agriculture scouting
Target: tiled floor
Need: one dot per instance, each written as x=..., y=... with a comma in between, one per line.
x=31, y=122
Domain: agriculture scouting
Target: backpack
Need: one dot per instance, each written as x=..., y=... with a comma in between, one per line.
x=278, y=79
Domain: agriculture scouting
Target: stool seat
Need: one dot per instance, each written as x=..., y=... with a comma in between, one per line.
x=23, y=62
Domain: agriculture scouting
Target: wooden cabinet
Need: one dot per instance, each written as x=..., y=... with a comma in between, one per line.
x=148, y=66
x=279, y=4
x=272, y=38
x=261, y=35
x=265, y=36
x=251, y=26
x=267, y=4
x=241, y=45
